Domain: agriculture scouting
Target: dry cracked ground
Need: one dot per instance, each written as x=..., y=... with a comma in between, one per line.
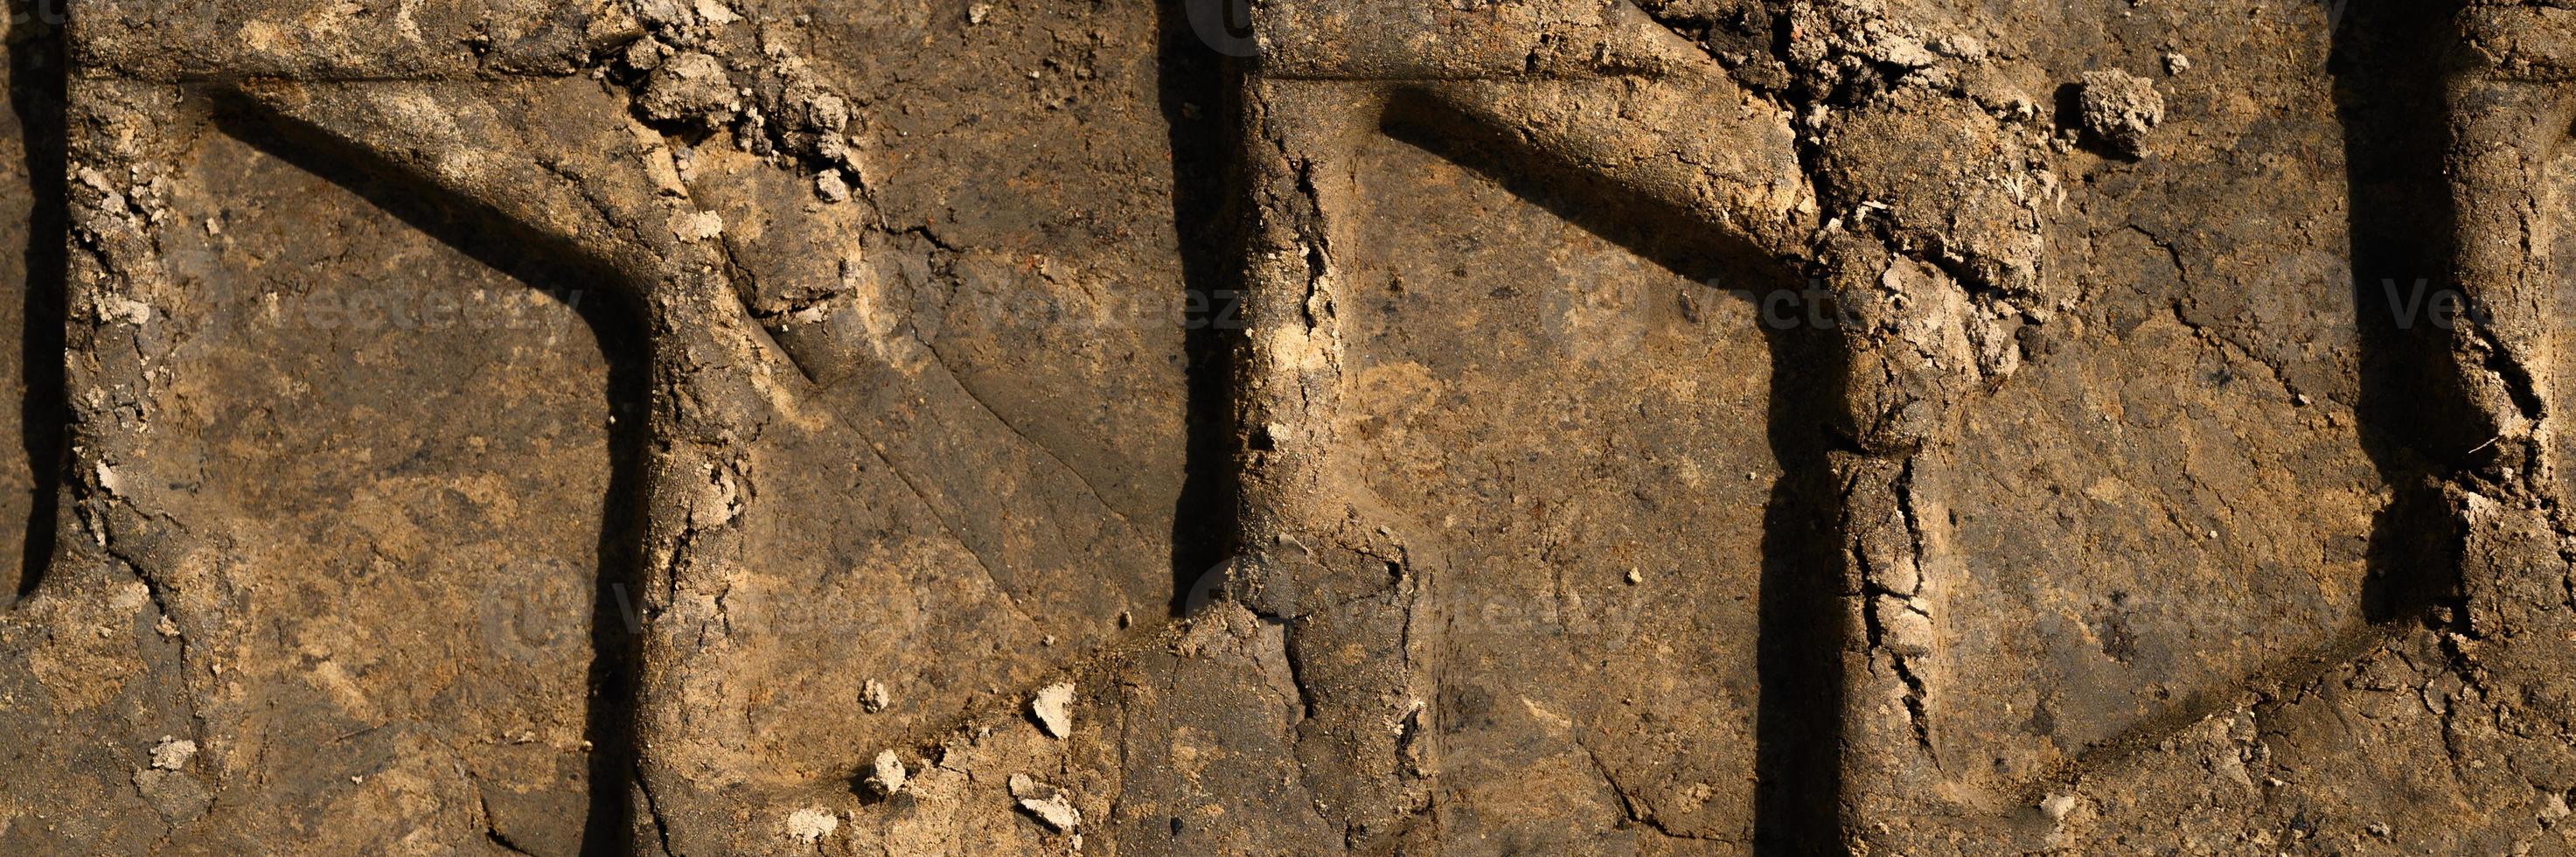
x=1288, y=427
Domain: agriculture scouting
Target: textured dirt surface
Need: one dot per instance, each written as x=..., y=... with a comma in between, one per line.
x=1516, y=427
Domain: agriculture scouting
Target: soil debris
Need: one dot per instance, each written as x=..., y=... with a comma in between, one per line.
x=1052, y=707
x=2118, y=109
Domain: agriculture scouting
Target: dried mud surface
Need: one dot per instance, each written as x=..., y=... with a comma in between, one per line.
x=696, y=427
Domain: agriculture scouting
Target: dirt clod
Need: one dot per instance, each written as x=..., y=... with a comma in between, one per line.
x=691, y=87
x=1048, y=803
x=810, y=825
x=887, y=774
x=2118, y=109
x=1052, y=707
x=173, y=753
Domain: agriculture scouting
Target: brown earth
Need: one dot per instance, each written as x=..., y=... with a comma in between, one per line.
x=1495, y=427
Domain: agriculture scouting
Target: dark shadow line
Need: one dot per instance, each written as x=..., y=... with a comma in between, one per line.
x=616, y=630
x=1805, y=626
x=1805, y=621
x=2387, y=66
x=38, y=87
x=610, y=306
x=1199, y=97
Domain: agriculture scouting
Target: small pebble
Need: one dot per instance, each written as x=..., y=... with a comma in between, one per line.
x=887, y=773
x=811, y=825
x=1052, y=706
x=696, y=225
x=173, y=753
x=831, y=187
x=1046, y=802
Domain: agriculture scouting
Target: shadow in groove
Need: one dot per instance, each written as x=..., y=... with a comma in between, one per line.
x=37, y=88
x=2387, y=66
x=1805, y=626
x=1197, y=89
x=615, y=318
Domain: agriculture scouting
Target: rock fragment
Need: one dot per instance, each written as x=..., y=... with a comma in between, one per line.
x=888, y=773
x=873, y=696
x=1052, y=707
x=177, y=797
x=1959, y=45
x=173, y=753
x=691, y=87
x=811, y=824
x=697, y=226
x=831, y=187
x=817, y=110
x=1904, y=52
x=1046, y=802
x=2118, y=109
x=643, y=55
